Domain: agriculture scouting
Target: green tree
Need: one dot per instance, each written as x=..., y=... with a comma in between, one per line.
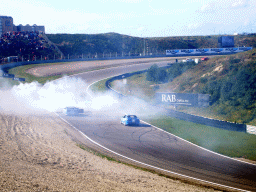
x=162, y=75
x=156, y=74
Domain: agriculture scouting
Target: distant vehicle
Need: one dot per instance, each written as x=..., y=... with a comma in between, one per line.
x=204, y=58
x=130, y=120
x=72, y=111
x=187, y=60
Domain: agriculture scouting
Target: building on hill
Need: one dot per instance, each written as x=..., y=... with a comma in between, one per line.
x=32, y=28
x=6, y=24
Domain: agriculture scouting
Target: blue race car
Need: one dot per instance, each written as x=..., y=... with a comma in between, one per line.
x=130, y=120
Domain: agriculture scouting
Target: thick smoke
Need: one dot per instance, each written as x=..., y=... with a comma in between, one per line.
x=133, y=105
x=34, y=98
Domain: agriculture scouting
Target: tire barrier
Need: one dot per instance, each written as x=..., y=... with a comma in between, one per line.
x=181, y=115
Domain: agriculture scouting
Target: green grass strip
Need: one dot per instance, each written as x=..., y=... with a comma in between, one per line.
x=229, y=143
x=21, y=72
x=99, y=86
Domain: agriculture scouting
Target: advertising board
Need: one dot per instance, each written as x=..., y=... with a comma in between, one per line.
x=18, y=79
x=226, y=41
x=228, y=50
x=188, y=99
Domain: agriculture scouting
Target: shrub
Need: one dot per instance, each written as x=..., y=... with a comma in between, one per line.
x=156, y=74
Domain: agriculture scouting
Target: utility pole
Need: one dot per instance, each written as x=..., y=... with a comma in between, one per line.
x=144, y=47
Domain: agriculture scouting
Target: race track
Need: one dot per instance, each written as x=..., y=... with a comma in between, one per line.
x=152, y=146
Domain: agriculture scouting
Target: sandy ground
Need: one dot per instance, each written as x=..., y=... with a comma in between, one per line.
x=38, y=154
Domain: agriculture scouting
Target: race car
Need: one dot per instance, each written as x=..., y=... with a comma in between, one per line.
x=130, y=120
x=72, y=111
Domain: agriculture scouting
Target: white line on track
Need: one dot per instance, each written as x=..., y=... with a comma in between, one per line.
x=157, y=168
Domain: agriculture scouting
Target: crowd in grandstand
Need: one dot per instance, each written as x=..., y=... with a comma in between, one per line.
x=25, y=46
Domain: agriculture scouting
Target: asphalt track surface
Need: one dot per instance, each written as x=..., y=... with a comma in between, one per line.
x=150, y=145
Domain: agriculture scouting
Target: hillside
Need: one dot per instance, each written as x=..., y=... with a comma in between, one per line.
x=112, y=44
x=231, y=82
x=33, y=46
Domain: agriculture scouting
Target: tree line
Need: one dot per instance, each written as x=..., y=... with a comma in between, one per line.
x=162, y=75
x=232, y=92
x=235, y=94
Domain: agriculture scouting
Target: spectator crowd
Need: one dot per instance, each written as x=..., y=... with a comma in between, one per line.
x=25, y=46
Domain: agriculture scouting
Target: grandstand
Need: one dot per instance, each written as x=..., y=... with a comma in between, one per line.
x=26, y=46
x=25, y=42
x=6, y=25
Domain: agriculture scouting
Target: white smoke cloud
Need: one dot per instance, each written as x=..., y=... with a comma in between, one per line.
x=34, y=98
x=105, y=102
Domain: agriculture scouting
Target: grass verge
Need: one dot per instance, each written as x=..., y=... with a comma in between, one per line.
x=229, y=143
x=136, y=85
x=99, y=86
x=21, y=72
